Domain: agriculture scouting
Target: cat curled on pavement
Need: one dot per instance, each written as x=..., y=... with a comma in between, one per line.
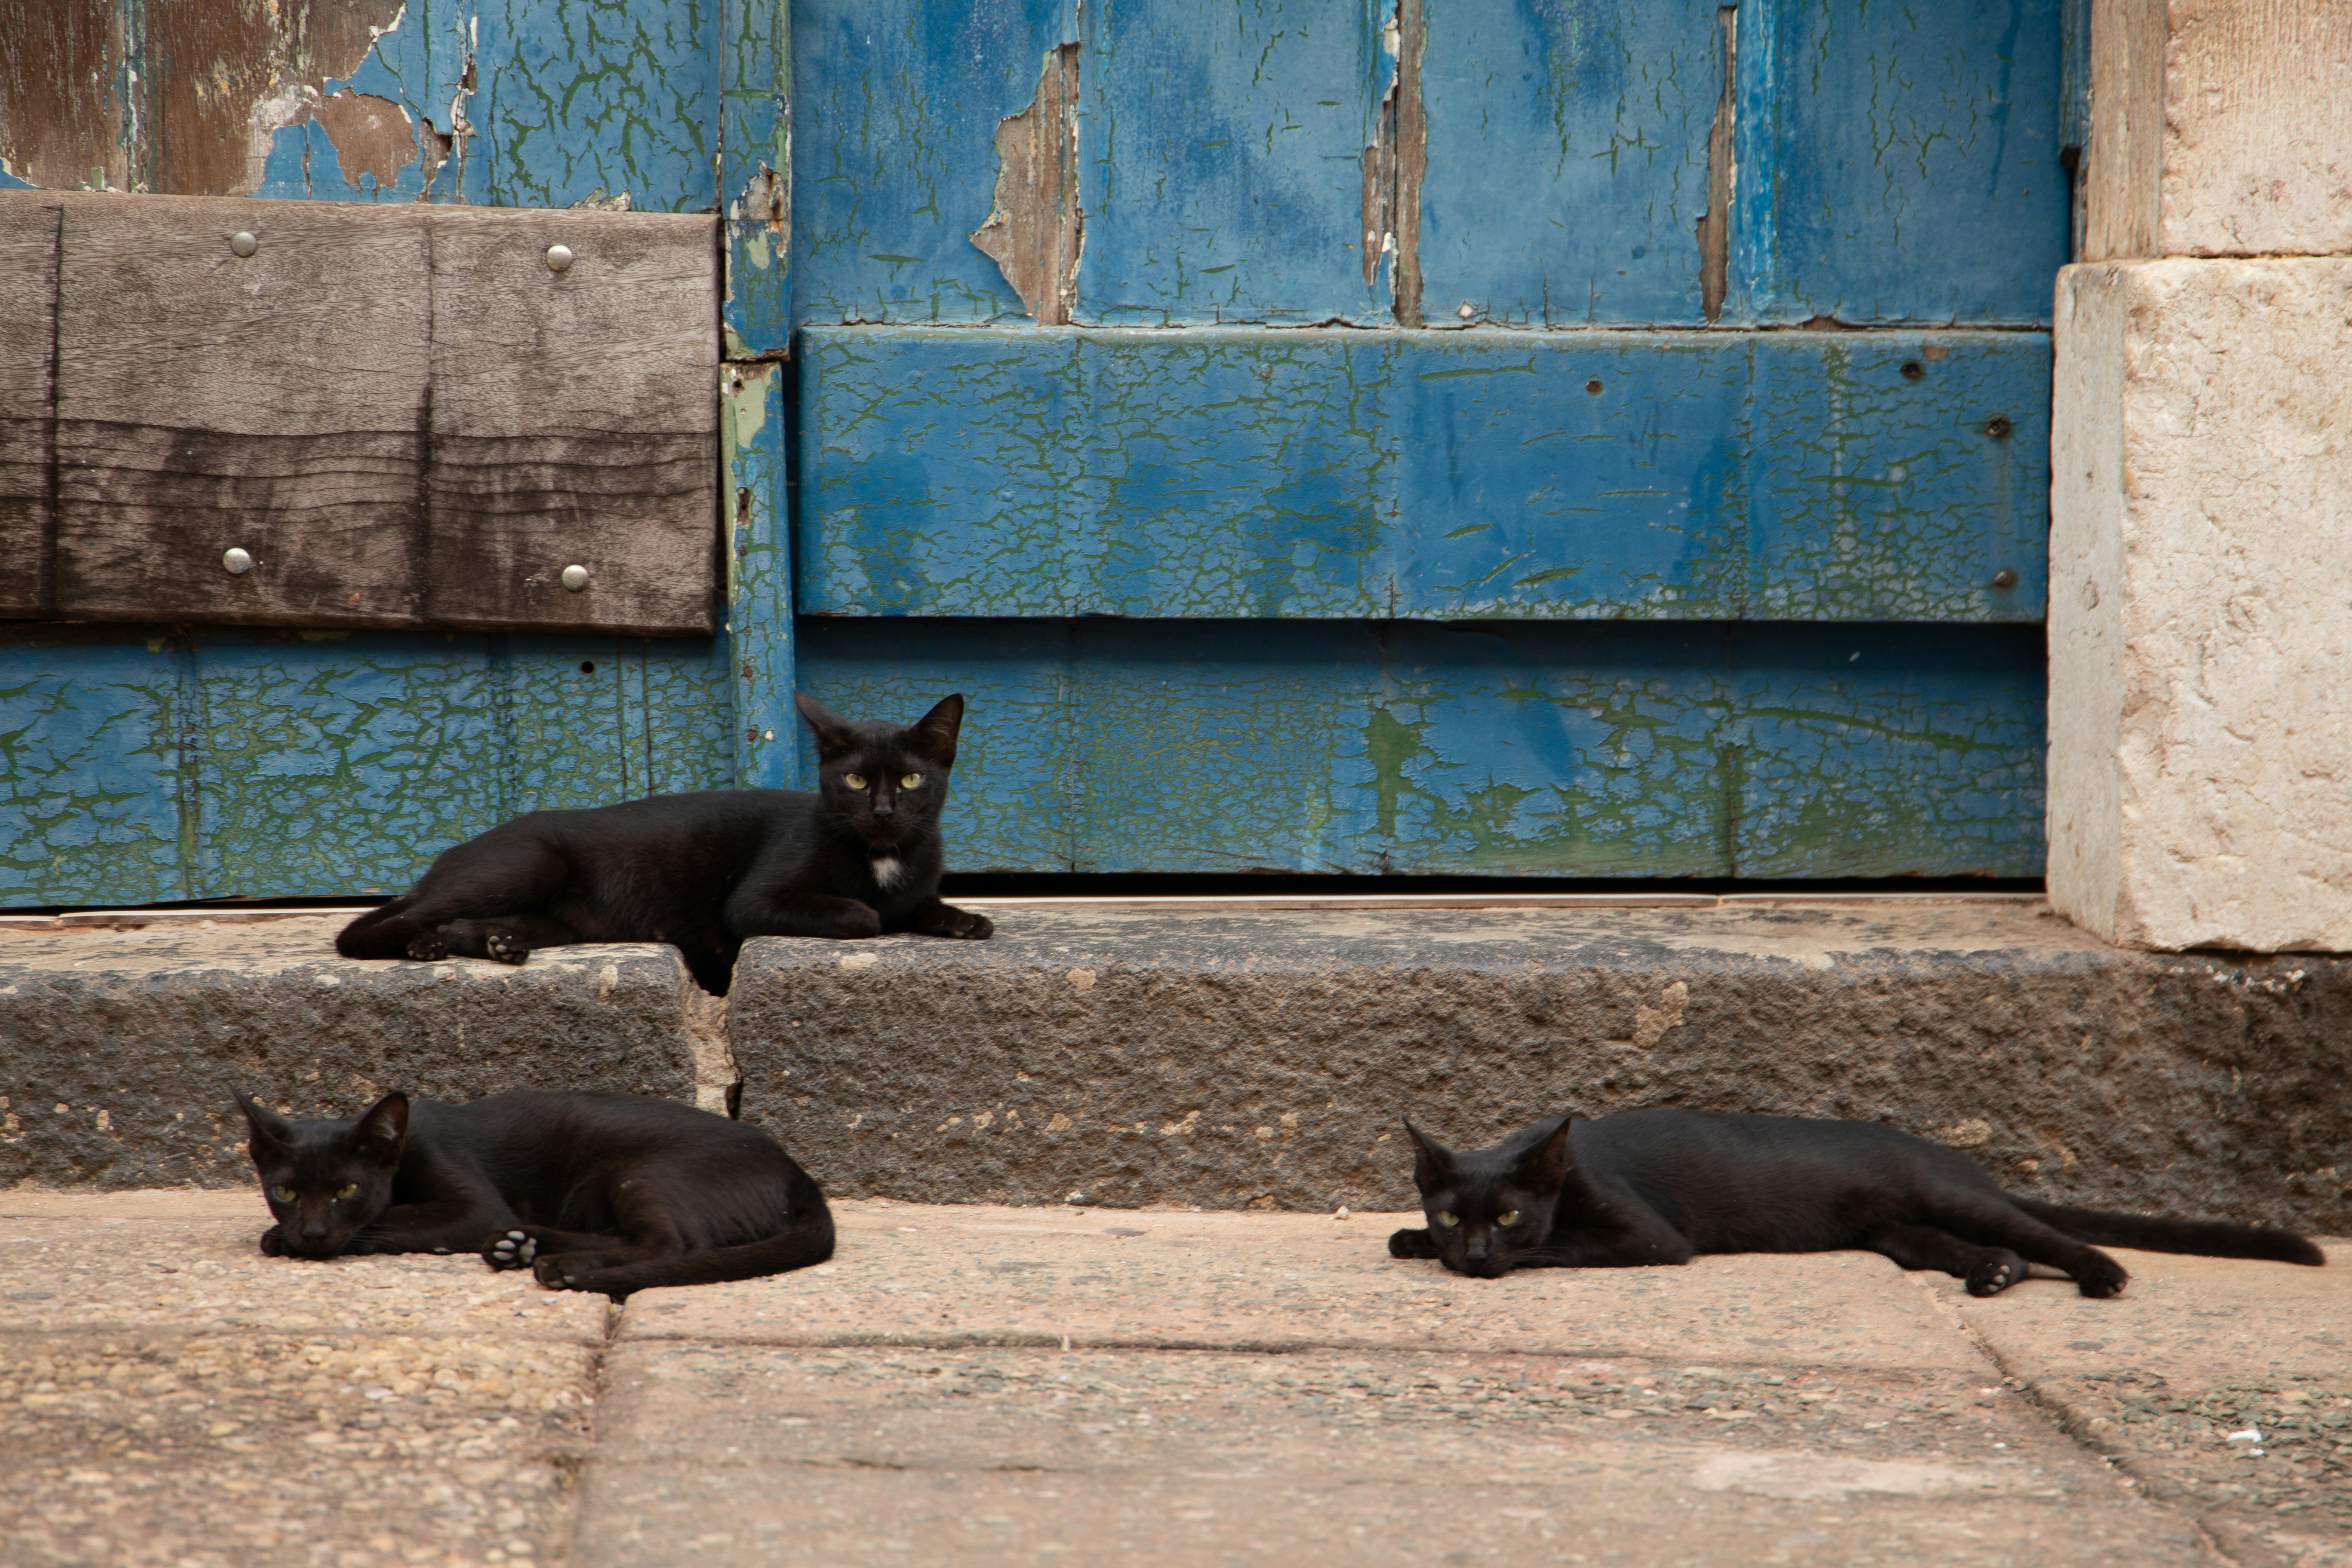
x=1662, y=1186
x=858, y=857
x=612, y=1193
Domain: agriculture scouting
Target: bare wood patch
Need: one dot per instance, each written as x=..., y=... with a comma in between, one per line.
x=1034, y=230
x=1393, y=165
x=370, y=136
x=226, y=76
x=1714, y=224
x=60, y=122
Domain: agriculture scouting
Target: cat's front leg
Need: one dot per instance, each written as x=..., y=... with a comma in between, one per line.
x=932, y=917
x=273, y=1243
x=1412, y=1244
x=450, y=1226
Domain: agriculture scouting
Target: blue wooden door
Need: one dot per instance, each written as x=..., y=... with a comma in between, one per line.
x=1602, y=438
x=1530, y=436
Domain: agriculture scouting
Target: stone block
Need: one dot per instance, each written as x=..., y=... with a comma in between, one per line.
x=1127, y=1058
x=118, y=1049
x=2201, y=758
x=2219, y=128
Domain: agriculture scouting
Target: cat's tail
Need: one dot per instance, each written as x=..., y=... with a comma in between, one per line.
x=806, y=1239
x=2199, y=1237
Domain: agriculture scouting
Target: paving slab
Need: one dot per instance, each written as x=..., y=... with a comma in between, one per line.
x=1234, y=1058
x=169, y=1395
x=2225, y=1387
x=971, y=1274
x=118, y=1046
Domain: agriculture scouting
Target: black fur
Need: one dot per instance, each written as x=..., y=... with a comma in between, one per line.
x=1661, y=1187
x=703, y=871
x=592, y=1192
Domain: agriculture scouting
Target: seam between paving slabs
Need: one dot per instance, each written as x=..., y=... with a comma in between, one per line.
x=2128, y=1477
x=574, y=1468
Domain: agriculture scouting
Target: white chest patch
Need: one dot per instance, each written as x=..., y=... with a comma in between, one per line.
x=886, y=871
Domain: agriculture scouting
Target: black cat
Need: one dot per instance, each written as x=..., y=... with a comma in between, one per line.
x=703, y=871
x=591, y=1192
x=1659, y=1186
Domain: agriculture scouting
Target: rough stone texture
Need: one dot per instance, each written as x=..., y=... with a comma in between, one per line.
x=2219, y=128
x=2201, y=760
x=119, y=1049
x=1231, y=1060
x=1215, y=1389
x=169, y=1395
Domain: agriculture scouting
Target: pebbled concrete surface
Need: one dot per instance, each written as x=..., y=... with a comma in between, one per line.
x=912, y=1402
x=1234, y=1059
x=119, y=1048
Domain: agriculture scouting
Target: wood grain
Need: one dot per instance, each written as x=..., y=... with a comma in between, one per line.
x=574, y=420
x=273, y=402
x=60, y=120
x=28, y=295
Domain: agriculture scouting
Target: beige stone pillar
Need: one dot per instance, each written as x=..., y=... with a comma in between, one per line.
x=2201, y=549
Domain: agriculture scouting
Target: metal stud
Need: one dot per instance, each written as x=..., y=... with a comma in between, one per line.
x=559, y=259
x=575, y=578
x=243, y=242
x=235, y=561
x=2004, y=578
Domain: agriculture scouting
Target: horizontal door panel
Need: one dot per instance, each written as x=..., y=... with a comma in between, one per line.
x=1698, y=475
x=1583, y=751
x=245, y=377
x=28, y=305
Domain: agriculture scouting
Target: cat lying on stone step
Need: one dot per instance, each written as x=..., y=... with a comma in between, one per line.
x=858, y=857
x=613, y=1193
x=1661, y=1187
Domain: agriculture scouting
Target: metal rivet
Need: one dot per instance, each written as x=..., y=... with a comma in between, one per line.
x=575, y=577
x=1593, y=387
x=1999, y=426
x=243, y=242
x=1913, y=369
x=559, y=259
x=2004, y=578
x=237, y=563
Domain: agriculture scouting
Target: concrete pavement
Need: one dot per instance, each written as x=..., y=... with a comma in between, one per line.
x=1076, y=1385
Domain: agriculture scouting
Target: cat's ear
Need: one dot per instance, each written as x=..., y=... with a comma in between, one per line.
x=382, y=1131
x=833, y=733
x=934, y=734
x=271, y=1133
x=1433, y=1161
x=1545, y=1166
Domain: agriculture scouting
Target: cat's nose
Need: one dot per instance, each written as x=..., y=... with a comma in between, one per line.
x=1476, y=1248
x=884, y=807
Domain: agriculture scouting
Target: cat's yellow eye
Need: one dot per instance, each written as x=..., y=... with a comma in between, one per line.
x=1507, y=1218
x=912, y=781
x=855, y=781
x=283, y=1195
x=347, y=1191
x=1449, y=1220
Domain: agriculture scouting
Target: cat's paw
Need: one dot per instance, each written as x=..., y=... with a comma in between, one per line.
x=964, y=924
x=549, y=1271
x=510, y=1250
x=273, y=1243
x=1995, y=1274
x=1411, y=1244
x=2101, y=1278
x=429, y=947
x=505, y=947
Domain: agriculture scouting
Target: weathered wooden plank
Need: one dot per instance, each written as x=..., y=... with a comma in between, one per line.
x=139, y=764
x=574, y=421
x=1585, y=750
x=1696, y=475
x=28, y=315
x=1900, y=163
x=142, y=768
x=1221, y=159
x=755, y=174
x=895, y=108
x=759, y=648
x=271, y=403
x=61, y=116
x=1567, y=161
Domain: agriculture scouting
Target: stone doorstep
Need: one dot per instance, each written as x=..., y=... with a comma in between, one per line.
x=1141, y=1051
